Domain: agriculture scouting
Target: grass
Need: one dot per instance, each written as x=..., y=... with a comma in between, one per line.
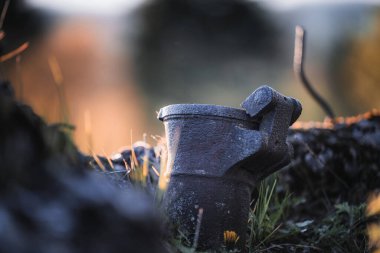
x=271, y=227
x=272, y=230
x=266, y=214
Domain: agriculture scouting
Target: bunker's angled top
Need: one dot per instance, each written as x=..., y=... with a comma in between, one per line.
x=264, y=99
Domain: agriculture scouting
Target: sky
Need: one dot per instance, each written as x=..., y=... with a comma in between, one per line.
x=118, y=7
x=102, y=7
x=289, y=4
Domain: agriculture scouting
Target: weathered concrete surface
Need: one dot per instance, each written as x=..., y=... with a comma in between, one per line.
x=217, y=155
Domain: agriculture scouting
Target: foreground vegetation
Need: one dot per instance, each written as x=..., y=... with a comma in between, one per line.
x=317, y=204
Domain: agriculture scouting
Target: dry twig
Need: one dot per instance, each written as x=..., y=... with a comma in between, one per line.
x=298, y=65
x=15, y=52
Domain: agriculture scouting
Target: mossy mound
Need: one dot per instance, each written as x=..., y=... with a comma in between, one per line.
x=51, y=200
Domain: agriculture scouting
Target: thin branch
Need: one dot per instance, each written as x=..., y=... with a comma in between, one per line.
x=268, y=236
x=280, y=246
x=15, y=52
x=298, y=65
x=4, y=13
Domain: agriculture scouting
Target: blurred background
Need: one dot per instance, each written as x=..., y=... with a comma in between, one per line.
x=113, y=64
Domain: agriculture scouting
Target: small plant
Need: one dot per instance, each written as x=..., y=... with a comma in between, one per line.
x=266, y=214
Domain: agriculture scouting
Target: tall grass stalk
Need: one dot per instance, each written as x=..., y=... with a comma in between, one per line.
x=58, y=79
